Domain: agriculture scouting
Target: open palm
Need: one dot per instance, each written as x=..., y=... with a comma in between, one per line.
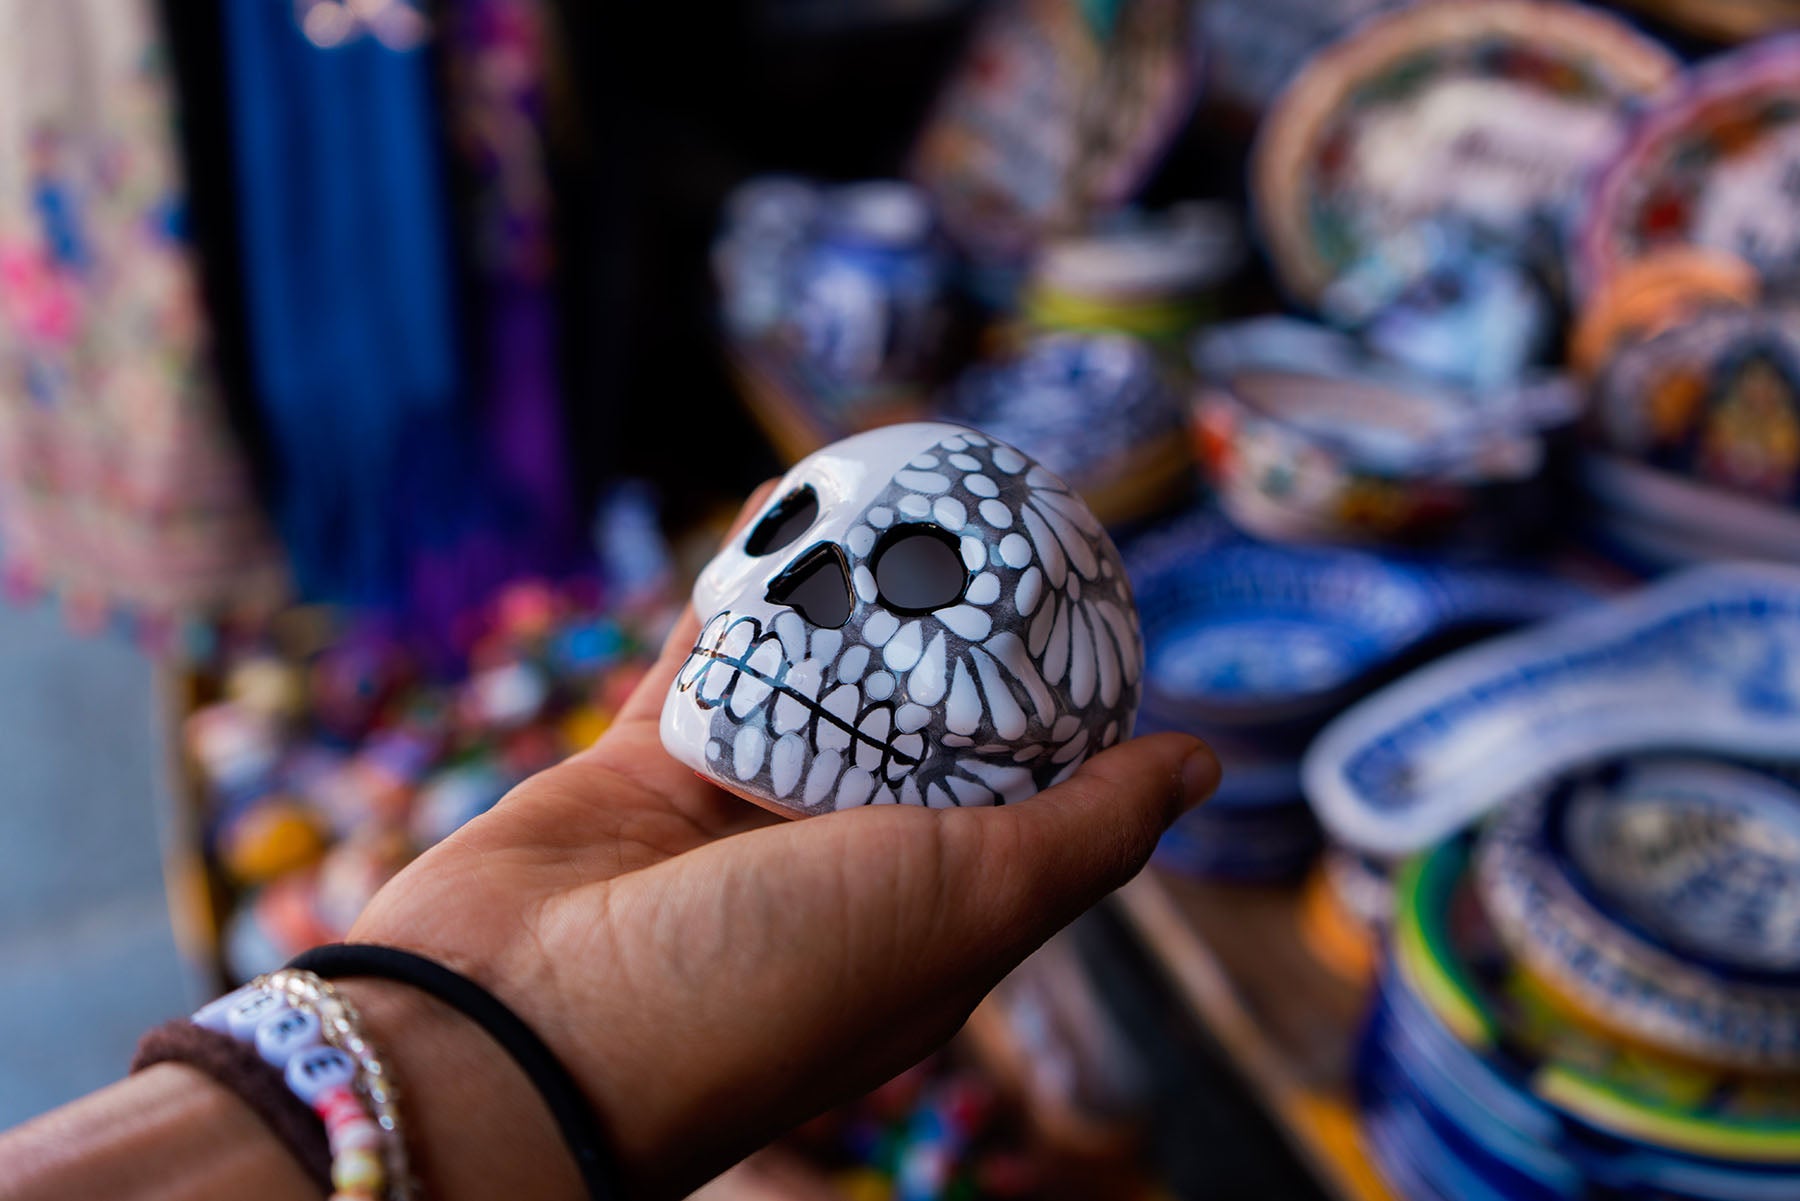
x=714, y=974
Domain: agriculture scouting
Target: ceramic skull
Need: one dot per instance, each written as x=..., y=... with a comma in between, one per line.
x=919, y=615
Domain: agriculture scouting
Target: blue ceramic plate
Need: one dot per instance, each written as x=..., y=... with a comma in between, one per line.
x=1241, y=634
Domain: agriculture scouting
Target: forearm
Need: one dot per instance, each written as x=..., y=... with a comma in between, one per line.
x=474, y=1126
x=165, y=1133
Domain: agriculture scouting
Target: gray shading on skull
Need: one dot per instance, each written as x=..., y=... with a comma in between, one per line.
x=920, y=615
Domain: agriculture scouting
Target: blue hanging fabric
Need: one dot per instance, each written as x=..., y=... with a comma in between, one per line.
x=348, y=285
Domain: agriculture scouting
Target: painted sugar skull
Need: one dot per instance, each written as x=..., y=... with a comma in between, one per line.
x=920, y=615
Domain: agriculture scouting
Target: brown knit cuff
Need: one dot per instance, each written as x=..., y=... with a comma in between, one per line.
x=262, y=1087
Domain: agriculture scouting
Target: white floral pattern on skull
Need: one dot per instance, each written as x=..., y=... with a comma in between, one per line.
x=997, y=686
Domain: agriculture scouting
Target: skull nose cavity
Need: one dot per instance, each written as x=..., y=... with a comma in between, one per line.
x=817, y=586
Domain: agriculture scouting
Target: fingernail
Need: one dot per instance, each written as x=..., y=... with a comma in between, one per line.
x=1199, y=776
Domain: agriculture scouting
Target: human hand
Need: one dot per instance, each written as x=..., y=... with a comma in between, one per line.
x=713, y=974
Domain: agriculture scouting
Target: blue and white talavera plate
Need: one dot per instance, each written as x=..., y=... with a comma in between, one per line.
x=1661, y=898
x=1240, y=634
x=1708, y=660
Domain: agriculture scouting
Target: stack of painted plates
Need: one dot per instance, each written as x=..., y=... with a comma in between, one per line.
x=1600, y=994
x=1697, y=421
x=1659, y=900
x=1253, y=646
x=1478, y=1082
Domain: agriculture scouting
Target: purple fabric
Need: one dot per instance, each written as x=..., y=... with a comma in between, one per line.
x=497, y=60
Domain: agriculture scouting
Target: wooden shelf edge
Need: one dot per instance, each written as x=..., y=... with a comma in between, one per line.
x=1320, y=1126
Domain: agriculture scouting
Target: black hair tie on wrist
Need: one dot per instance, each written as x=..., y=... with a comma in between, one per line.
x=569, y=1108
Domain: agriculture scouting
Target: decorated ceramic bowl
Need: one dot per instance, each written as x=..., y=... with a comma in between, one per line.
x=919, y=614
x=866, y=301
x=1710, y=165
x=1494, y=113
x=1307, y=439
x=1708, y=660
x=1661, y=899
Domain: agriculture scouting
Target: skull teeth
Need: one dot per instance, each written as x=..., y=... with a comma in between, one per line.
x=841, y=702
x=870, y=749
x=715, y=677
x=737, y=639
x=753, y=687
x=821, y=777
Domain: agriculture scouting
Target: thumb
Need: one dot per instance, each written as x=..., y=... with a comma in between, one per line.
x=1034, y=866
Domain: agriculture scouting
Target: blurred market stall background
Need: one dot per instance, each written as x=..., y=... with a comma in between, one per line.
x=374, y=375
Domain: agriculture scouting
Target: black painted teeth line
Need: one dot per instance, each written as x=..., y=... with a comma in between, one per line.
x=785, y=689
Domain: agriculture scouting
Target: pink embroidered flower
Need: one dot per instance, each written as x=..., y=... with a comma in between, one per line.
x=37, y=300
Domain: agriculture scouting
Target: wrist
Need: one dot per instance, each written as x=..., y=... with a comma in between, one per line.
x=474, y=1125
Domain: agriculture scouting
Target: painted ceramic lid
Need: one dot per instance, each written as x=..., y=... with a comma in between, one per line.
x=1658, y=292
x=1496, y=113
x=1710, y=165
x=1189, y=247
x=879, y=213
x=1708, y=660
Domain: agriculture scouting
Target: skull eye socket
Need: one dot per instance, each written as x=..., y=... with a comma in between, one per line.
x=792, y=516
x=919, y=568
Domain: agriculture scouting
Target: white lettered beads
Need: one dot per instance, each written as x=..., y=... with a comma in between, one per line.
x=310, y=1033
x=312, y=1073
x=920, y=615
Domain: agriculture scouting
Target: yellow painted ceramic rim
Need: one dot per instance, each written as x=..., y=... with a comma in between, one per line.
x=1428, y=965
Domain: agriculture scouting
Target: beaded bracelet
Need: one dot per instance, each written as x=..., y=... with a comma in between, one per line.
x=302, y=1025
